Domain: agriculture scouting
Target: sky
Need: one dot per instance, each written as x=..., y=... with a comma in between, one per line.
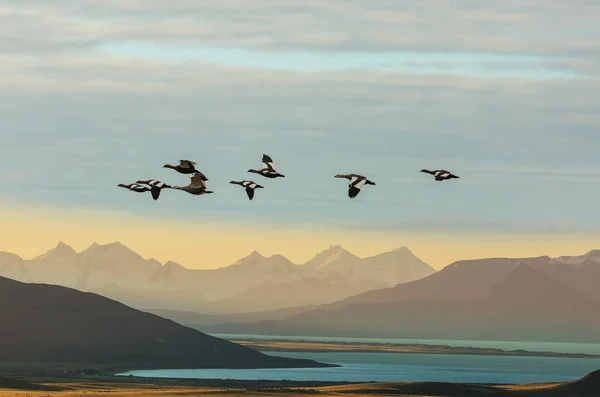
x=502, y=93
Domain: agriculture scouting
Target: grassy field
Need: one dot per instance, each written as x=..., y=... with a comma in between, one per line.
x=167, y=388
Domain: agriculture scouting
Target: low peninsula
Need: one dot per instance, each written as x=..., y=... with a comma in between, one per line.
x=359, y=347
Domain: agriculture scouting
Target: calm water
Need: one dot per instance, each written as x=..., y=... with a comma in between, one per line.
x=388, y=367
x=554, y=347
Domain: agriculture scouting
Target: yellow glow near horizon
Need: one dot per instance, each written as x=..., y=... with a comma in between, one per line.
x=31, y=232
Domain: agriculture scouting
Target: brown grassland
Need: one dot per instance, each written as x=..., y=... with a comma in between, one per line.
x=122, y=387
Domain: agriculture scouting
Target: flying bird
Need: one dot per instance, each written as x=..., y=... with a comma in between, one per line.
x=186, y=167
x=268, y=169
x=250, y=187
x=155, y=185
x=355, y=183
x=142, y=187
x=196, y=187
x=440, y=175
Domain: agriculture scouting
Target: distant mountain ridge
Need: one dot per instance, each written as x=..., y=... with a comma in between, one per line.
x=253, y=283
x=537, y=299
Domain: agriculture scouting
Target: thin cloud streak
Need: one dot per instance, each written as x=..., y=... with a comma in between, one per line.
x=481, y=65
x=540, y=27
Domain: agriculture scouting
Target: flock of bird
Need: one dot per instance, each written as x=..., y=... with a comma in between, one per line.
x=197, y=185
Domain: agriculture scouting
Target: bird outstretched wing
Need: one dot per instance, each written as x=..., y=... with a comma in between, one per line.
x=250, y=193
x=155, y=191
x=186, y=164
x=197, y=180
x=353, y=191
x=268, y=163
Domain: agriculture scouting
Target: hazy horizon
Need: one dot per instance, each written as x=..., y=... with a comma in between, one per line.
x=231, y=242
x=356, y=244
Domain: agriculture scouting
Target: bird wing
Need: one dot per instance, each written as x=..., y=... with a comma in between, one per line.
x=186, y=164
x=138, y=187
x=268, y=163
x=353, y=191
x=356, y=179
x=155, y=191
x=204, y=178
x=153, y=183
x=197, y=181
x=250, y=192
x=360, y=183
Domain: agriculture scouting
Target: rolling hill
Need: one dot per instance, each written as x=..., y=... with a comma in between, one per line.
x=57, y=325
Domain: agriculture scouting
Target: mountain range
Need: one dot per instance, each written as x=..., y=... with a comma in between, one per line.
x=53, y=325
x=254, y=283
x=536, y=299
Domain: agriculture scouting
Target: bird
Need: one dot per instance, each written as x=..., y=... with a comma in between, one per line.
x=356, y=182
x=441, y=175
x=268, y=170
x=186, y=167
x=141, y=188
x=155, y=185
x=249, y=185
x=196, y=187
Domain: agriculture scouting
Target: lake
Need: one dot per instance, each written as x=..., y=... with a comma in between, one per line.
x=394, y=367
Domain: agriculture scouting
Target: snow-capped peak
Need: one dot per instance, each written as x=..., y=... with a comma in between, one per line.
x=329, y=256
x=61, y=250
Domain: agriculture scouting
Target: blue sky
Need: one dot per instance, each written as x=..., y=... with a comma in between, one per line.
x=503, y=95
x=482, y=65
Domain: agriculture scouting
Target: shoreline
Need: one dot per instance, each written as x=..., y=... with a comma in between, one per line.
x=265, y=345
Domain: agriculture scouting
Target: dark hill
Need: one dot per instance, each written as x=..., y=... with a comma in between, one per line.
x=524, y=305
x=16, y=384
x=460, y=281
x=51, y=324
x=589, y=385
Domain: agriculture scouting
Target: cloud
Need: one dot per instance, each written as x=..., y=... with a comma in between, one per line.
x=539, y=27
x=79, y=120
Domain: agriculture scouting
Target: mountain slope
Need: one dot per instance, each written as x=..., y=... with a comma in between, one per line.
x=524, y=305
x=13, y=266
x=578, y=272
x=198, y=320
x=52, y=324
x=462, y=280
